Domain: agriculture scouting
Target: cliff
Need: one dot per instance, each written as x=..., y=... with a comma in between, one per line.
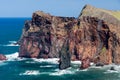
x=93, y=37
x=44, y=35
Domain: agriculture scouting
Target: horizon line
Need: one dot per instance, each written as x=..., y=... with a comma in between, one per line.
x=16, y=17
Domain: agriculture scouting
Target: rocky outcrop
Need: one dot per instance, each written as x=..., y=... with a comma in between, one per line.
x=85, y=63
x=93, y=37
x=102, y=33
x=2, y=57
x=65, y=56
x=43, y=37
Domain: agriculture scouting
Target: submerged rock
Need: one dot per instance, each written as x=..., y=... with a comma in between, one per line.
x=112, y=68
x=93, y=37
x=99, y=64
x=2, y=57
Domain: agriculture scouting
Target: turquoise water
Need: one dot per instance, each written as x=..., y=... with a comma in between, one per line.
x=40, y=69
x=10, y=31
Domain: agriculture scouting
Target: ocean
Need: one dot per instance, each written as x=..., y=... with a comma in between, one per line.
x=16, y=68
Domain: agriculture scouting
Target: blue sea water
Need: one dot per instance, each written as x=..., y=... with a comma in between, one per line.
x=41, y=69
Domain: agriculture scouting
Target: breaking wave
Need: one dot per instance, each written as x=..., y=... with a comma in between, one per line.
x=30, y=62
x=10, y=57
x=56, y=72
x=14, y=57
x=30, y=72
x=49, y=60
x=111, y=71
x=76, y=62
x=11, y=43
x=113, y=68
x=63, y=72
x=47, y=66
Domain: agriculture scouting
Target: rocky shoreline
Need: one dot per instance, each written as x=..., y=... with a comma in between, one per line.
x=93, y=37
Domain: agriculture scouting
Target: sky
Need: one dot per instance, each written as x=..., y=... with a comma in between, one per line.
x=70, y=8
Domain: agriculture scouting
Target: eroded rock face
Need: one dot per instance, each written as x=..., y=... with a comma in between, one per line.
x=2, y=57
x=103, y=28
x=85, y=63
x=90, y=38
x=44, y=36
x=65, y=56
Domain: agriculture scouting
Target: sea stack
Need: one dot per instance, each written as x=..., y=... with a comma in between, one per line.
x=93, y=37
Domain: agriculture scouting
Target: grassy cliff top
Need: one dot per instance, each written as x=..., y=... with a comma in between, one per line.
x=112, y=18
x=116, y=14
x=103, y=14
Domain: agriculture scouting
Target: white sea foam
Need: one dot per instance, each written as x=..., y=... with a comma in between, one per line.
x=116, y=68
x=30, y=62
x=49, y=60
x=11, y=43
x=10, y=57
x=97, y=67
x=107, y=68
x=111, y=71
x=76, y=62
x=46, y=66
x=63, y=72
x=79, y=62
x=14, y=57
x=91, y=63
x=30, y=72
x=83, y=69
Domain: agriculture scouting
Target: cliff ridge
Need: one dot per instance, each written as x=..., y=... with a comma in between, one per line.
x=93, y=37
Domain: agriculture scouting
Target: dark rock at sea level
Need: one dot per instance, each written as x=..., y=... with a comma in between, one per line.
x=2, y=57
x=85, y=63
x=99, y=64
x=112, y=68
x=65, y=56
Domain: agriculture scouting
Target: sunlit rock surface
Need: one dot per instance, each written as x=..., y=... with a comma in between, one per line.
x=93, y=37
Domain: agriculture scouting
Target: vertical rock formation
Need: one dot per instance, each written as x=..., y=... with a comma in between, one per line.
x=104, y=29
x=65, y=56
x=93, y=37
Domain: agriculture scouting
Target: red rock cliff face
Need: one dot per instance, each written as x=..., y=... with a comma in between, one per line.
x=93, y=37
x=103, y=28
x=44, y=36
x=90, y=38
